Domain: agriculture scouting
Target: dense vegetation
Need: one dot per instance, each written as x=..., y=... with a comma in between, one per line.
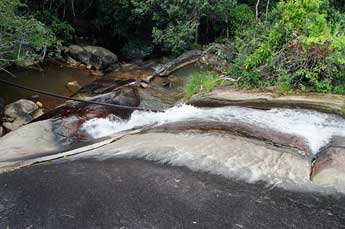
x=291, y=44
x=301, y=46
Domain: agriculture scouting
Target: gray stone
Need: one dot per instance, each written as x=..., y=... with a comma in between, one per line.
x=91, y=56
x=228, y=96
x=21, y=112
x=100, y=58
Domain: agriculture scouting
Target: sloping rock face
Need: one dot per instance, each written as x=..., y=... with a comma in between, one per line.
x=60, y=129
x=98, y=57
x=216, y=153
x=20, y=113
x=268, y=136
x=234, y=97
x=329, y=165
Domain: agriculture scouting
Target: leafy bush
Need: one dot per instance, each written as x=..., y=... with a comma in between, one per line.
x=62, y=29
x=21, y=37
x=303, y=48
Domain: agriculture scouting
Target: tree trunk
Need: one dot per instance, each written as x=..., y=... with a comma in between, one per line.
x=267, y=6
x=257, y=10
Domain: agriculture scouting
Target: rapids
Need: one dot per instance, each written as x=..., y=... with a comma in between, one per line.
x=315, y=127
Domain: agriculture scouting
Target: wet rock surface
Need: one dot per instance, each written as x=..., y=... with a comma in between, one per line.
x=258, y=99
x=217, y=153
x=109, y=187
x=73, y=86
x=117, y=93
x=137, y=194
x=240, y=129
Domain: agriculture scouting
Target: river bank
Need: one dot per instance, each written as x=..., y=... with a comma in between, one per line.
x=229, y=141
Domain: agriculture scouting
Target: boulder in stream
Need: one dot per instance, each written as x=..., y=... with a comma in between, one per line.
x=94, y=56
x=73, y=86
x=20, y=113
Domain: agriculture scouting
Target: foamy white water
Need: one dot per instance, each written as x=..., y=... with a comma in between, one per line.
x=317, y=128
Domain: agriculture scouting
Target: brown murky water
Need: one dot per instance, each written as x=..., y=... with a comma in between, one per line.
x=53, y=79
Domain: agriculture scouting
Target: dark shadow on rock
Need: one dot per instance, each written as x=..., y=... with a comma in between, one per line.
x=139, y=194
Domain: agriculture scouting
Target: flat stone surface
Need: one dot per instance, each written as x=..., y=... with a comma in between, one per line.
x=139, y=194
x=227, y=96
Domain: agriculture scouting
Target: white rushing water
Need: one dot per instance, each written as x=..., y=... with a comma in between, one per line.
x=317, y=128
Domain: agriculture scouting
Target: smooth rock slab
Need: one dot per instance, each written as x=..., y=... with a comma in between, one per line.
x=139, y=194
x=222, y=154
x=234, y=97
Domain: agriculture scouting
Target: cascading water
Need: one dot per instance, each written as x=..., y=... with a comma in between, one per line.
x=317, y=128
x=219, y=153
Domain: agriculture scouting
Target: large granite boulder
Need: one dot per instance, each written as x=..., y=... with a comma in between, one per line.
x=20, y=113
x=94, y=56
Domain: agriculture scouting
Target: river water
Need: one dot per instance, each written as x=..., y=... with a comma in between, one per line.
x=317, y=128
x=52, y=79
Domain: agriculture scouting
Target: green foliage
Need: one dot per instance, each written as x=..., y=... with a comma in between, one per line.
x=241, y=18
x=201, y=82
x=174, y=26
x=284, y=82
x=62, y=29
x=303, y=48
x=176, y=38
x=21, y=37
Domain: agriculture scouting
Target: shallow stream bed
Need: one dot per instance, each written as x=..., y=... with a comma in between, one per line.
x=52, y=79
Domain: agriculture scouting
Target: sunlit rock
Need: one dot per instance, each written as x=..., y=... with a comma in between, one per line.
x=221, y=154
x=228, y=96
x=21, y=112
x=73, y=86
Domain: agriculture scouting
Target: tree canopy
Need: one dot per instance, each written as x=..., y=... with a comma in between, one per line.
x=291, y=44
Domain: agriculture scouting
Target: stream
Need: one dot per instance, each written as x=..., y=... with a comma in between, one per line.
x=52, y=79
x=315, y=127
x=87, y=165
x=276, y=145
